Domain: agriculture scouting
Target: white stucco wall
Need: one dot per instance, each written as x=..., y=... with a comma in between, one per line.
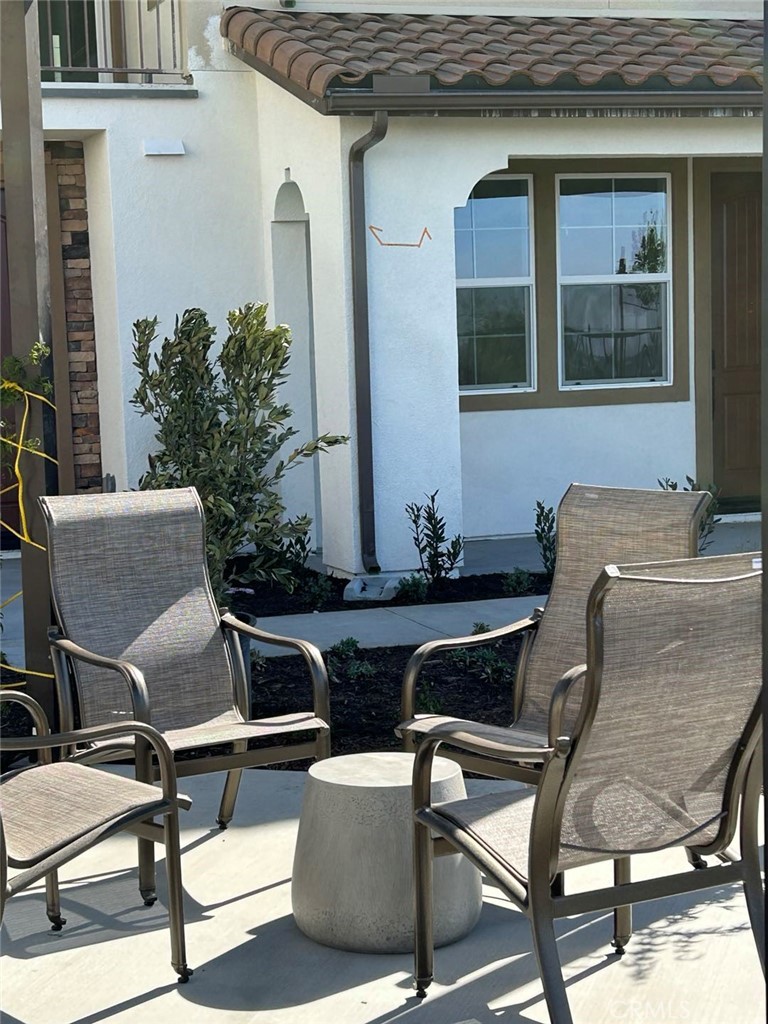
x=295, y=143
x=166, y=232
x=170, y=232
x=491, y=467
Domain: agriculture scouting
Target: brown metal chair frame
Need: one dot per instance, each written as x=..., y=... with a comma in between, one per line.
x=163, y=802
x=525, y=769
x=535, y=890
x=66, y=653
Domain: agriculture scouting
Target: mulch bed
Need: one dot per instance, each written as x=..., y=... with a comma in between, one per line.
x=317, y=592
x=365, y=691
x=365, y=684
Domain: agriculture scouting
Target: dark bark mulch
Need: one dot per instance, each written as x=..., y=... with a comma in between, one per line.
x=317, y=592
x=365, y=689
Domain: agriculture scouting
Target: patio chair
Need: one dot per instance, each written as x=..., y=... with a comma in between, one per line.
x=595, y=526
x=653, y=743
x=51, y=812
x=139, y=636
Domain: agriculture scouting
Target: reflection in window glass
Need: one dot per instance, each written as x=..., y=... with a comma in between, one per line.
x=613, y=231
x=493, y=329
x=493, y=245
x=613, y=226
x=614, y=332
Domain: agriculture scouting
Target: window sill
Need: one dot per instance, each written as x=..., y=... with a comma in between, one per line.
x=574, y=398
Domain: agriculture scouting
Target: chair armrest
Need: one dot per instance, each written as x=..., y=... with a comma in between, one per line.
x=309, y=652
x=507, y=744
x=426, y=651
x=44, y=742
x=130, y=673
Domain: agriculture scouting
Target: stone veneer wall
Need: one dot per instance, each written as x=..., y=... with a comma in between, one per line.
x=68, y=159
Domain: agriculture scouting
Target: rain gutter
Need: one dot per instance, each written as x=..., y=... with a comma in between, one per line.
x=361, y=331
x=426, y=102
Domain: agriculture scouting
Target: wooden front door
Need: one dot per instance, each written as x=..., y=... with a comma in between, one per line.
x=736, y=267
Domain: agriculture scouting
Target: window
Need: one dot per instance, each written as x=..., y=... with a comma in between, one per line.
x=494, y=285
x=613, y=280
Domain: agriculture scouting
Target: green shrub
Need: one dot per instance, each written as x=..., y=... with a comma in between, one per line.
x=437, y=555
x=222, y=429
x=485, y=662
x=413, y=588
x=344, y=661
x=517, y=582
x=709, y=520
x=545, y=531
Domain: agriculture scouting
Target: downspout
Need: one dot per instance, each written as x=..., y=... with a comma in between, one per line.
x=360, y=327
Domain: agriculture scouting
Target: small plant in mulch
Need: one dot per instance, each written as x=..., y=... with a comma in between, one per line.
x=344, y=661
x=486, y=663
x=517, y=583
x=545, y=531
x=413, y=589
x=438, y=556
x=709, y=520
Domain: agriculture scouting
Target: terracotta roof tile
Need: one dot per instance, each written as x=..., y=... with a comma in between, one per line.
x=317, y=52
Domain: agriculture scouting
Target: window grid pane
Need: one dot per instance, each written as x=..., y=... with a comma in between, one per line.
x=493, y=244
x=611, y=332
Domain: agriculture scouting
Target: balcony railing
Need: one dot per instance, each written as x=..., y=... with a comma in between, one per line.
x=121, y=41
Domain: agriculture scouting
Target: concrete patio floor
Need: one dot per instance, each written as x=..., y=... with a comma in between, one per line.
x=692, y=958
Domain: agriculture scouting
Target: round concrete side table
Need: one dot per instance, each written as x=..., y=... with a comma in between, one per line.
x=352, y=882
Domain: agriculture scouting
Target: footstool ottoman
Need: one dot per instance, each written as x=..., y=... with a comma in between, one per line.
x=352, y=884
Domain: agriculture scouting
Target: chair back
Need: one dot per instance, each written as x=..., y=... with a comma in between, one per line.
x=598, y=526
x=129, y=581
x=671, y=708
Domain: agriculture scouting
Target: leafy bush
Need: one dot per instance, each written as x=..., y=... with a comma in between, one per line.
x=221, y=429
x=517, y=582
x=344, y=661
x=545, y=531
x=437, y=555
x=709, y=520
x=484, y=662
x=413, y=588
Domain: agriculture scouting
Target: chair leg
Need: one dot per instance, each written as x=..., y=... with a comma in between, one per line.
x=753, y=882
x=147, y=884
x=622, y=916
x=228, y=797
x=695, y=859
x=175, y=896
x=423, y=938
x=548, y=959
x=52, y=902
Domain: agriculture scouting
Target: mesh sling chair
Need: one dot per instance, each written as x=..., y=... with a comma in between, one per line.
x=51, y=812
x=140, y=637
x=595, y=526
x=661, y=750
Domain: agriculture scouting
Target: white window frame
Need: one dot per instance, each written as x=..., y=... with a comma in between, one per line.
x=508, y=282
x=623, y=279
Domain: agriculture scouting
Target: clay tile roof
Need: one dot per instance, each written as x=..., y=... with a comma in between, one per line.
x=321, y=52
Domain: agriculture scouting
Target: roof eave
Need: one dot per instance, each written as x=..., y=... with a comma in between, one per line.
x=499, y=102
x=347, y=100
